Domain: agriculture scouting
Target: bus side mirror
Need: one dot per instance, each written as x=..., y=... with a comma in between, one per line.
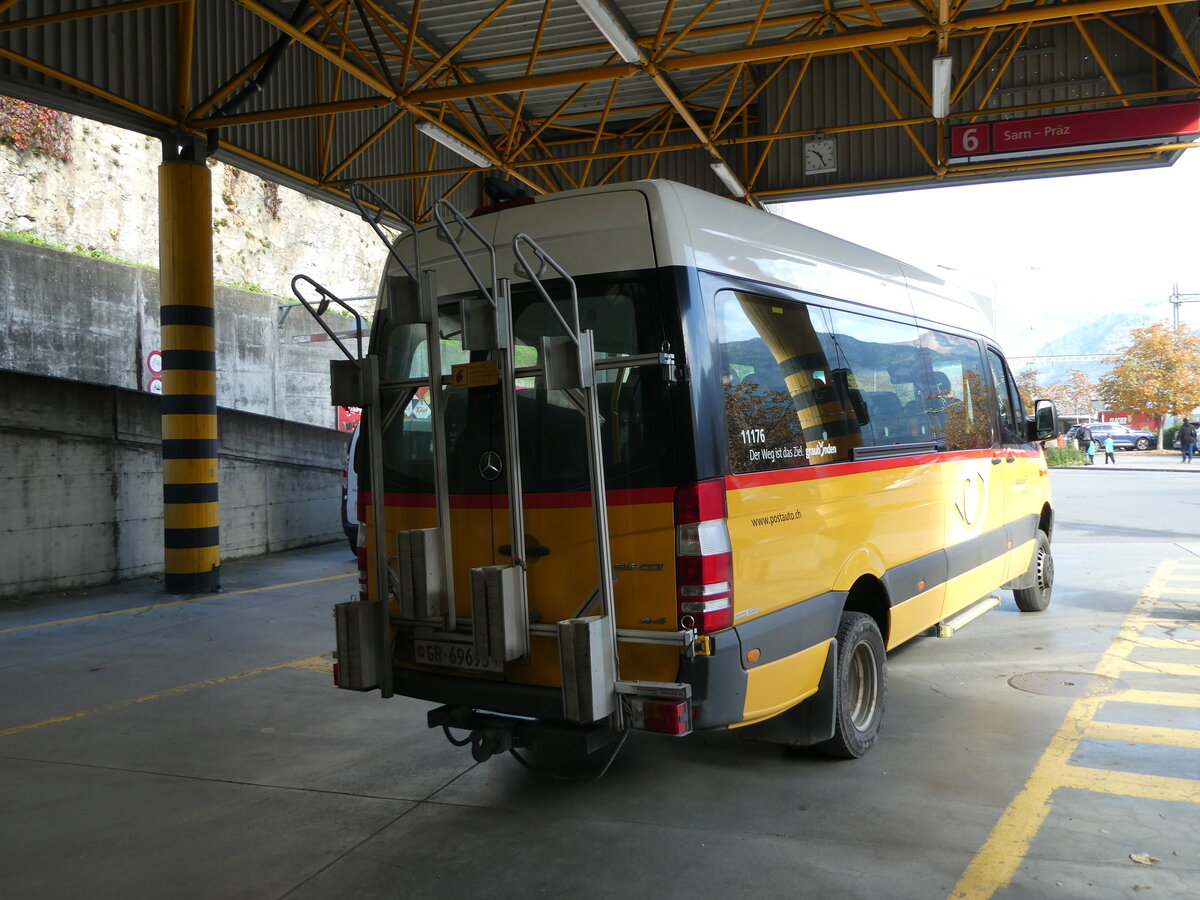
x=1045, y=421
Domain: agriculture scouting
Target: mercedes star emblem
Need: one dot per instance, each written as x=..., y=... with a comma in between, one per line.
x=490, y=465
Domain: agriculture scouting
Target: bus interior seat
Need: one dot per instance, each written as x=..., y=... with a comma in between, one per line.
x=941, y=390
x=887, y=416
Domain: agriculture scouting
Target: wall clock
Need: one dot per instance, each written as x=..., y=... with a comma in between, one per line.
x=820, y=155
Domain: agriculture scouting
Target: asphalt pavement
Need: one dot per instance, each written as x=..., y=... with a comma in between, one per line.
x=195, y=747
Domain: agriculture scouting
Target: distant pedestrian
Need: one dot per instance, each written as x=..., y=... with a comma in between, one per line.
x=1091, y=452
x=1109, y=447
x=1084, y=435
x=1187, y=440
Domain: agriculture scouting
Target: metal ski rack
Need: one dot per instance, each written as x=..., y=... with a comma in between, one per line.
x=420, y=580
x=363, y=644
x=423, y=577
x=499, y=594
x=587, y=644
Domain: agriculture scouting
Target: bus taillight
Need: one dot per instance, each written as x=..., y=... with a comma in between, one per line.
x=703, y=557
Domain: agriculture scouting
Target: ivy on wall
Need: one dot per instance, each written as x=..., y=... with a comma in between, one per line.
x=28, y=126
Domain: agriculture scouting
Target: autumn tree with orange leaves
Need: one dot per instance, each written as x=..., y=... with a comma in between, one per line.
x=1074, y=395
x=1155, y=374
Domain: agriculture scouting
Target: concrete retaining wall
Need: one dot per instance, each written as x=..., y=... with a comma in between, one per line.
x=72, y=316
x=82, y=484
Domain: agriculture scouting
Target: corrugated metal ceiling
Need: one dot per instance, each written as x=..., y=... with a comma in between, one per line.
x=316, y=95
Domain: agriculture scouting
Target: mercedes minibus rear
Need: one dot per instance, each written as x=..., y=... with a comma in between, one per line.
x=650, y=459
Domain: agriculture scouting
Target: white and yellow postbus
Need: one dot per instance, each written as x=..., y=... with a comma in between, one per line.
x=686, y=466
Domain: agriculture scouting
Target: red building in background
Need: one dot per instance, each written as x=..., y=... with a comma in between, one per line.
x=1141, y=423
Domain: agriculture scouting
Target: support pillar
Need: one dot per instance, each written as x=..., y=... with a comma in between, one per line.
x=191, y=517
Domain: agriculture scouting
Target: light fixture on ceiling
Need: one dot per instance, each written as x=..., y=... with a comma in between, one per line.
x=726, y=175
x=437, y=133
x=941, y=86
x=614, y=32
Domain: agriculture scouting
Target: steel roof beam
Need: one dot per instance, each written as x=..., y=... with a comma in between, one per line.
x=813, y=46
x=79, y=14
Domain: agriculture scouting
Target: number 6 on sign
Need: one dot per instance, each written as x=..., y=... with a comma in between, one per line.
x=969, y=140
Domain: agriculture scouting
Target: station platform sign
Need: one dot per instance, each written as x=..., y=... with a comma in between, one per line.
x=1101, y=127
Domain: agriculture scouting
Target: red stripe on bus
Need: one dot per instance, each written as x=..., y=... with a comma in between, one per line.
x=429, y=501
x=577, y=499
x=833, y=470
x=571, y=500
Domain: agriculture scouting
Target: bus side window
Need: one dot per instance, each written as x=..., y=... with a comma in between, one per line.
x=780, y=410
x=1008, y=398
x=955, y=390
x=878, y=361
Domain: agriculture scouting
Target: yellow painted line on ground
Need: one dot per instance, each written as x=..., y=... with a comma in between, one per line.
x=1169, y=643
x=1001, y=855
x=310, y=663
x=1143, y=734
x=1182, y=590
x=1157, y=698
x=1177, y=605
x=170, y=603
x=1132, y=784
x=1171, y=624
x=1186, y=670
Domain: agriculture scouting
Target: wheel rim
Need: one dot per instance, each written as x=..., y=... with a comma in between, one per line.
x=862, y=687
x=1045, y=570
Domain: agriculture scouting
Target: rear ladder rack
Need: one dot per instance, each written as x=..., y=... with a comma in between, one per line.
x=420, y=579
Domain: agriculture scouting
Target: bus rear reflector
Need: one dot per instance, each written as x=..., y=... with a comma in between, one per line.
x=661, y=716
x=703, y=557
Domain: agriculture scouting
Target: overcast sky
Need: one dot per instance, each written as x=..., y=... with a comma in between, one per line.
x=1053, y=251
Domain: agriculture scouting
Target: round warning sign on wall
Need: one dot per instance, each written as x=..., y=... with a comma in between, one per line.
x=154, y=362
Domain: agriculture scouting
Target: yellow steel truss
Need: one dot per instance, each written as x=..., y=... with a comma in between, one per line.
x=367, y=56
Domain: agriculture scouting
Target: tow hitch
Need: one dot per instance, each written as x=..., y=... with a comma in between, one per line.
x=487, y=742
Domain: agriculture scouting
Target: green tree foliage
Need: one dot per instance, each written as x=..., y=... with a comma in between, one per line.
x=1156, y=373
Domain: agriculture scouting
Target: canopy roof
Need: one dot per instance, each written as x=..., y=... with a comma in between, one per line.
x=787, y=99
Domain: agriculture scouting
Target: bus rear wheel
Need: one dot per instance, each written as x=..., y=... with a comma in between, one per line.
x=861, y=687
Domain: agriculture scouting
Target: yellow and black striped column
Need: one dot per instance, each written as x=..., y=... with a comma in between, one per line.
x=192, y=553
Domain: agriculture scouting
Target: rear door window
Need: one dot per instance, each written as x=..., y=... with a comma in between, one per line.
x=625, y=318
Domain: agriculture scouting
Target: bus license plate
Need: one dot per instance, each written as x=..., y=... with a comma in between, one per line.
x=453, y=655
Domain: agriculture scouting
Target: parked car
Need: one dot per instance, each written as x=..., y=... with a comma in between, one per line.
x=1124, y=437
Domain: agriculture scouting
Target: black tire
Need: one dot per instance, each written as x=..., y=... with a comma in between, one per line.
x=1142, y=444
x=861, y=687
x=1037, y=598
